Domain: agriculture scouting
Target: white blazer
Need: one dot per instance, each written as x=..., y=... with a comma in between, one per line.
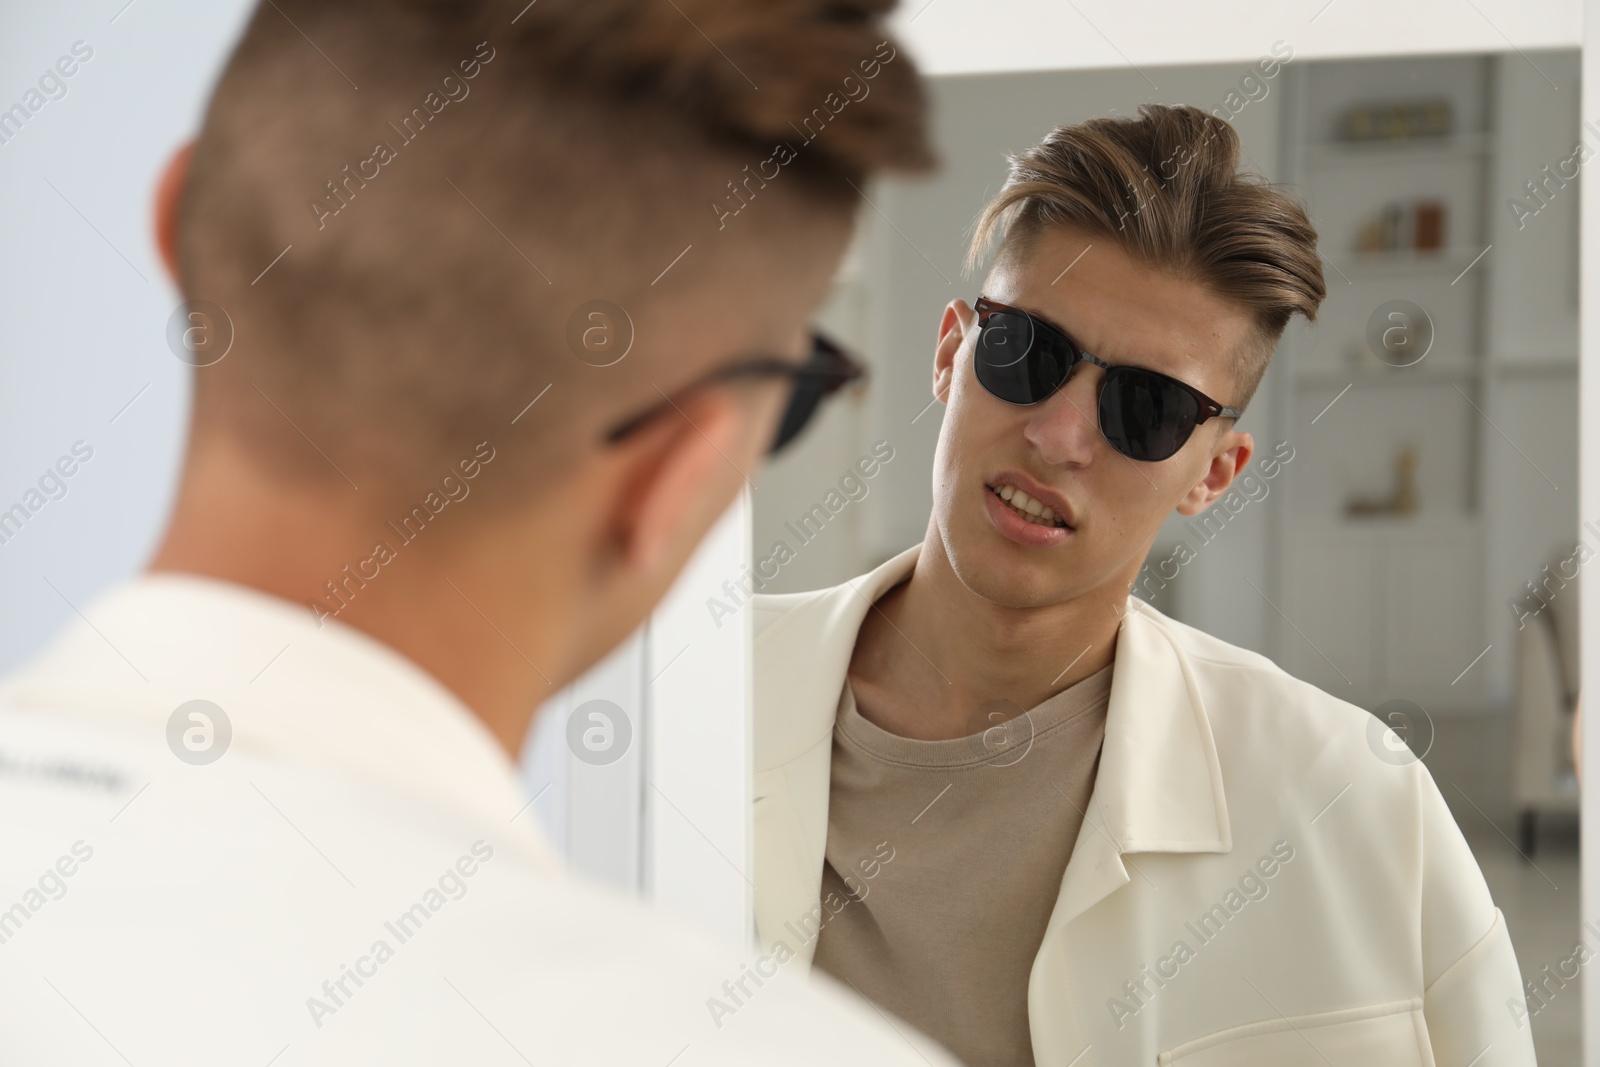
x=1254, y=882
x=337, y=867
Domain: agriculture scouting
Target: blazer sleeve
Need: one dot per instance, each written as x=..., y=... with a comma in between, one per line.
x=1473, y=1001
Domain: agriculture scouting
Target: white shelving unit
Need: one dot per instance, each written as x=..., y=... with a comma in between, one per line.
x=1377, y=608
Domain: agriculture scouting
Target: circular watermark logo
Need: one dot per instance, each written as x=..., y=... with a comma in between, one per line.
x=1006, y=729
x=198, y=732
x=199, y=332
x=1400, y=732
x=600, y=332
x=1399, y=333
x=1006, y=339
x=599, y=732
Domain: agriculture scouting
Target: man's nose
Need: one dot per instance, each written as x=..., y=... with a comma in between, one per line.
x=1066, y=427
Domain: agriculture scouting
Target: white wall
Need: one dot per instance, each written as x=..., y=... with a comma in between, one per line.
x=981, y=36
x=1533, y=346
x=85, y=312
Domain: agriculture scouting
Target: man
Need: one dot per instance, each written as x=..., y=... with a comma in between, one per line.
x=1031, y=814
x=260, y=802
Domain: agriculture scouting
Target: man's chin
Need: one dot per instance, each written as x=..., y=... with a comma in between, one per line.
x=1004, y=573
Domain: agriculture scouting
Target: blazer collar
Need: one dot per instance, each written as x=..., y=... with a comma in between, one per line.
x=802, y=657
x=330, y=697
x=1159, y=783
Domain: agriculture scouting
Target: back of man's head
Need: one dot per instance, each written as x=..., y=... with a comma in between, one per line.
x=448, y=182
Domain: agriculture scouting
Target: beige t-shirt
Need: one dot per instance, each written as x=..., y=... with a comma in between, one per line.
x=944, y=860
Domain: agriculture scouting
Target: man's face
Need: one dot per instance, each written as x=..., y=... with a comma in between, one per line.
x=1124, y=313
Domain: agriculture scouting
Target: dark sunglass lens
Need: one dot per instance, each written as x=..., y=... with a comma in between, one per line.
x=1016, y=363
x=830, y=369
x=1145, y=415
x=803, y=403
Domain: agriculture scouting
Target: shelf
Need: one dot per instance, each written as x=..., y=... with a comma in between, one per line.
x=1358, y=153
x=1430, y=522
x=1383, y=374
x=1402, y=262
x=1532, y=368
x=1426, y=523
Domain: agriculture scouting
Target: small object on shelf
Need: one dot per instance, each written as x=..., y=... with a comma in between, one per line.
x=1416, y=226
x=1361, y=356
x=1403, y=501
x=1369, y=238
x=1396, y=124
x=1397, y=120
x=1405, y=478
x=1359, y=124
x=1428, y=226
x=1436, y=118
x=1391, y=224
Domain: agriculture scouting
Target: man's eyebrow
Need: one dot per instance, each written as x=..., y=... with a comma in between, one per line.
x=1048, y=321
x=1140, y=362
x=1053, y=324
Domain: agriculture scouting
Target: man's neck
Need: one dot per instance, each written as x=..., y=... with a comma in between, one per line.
x=484, y=627
x=935, y=660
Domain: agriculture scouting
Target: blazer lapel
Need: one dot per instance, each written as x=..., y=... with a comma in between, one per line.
x=1159, y=784
x=1158, y=789
x=801, y=658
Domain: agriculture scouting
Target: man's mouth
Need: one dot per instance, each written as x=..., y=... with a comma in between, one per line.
x=1026, y=507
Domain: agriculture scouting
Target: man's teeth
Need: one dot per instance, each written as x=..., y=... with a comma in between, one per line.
x=1029, y=508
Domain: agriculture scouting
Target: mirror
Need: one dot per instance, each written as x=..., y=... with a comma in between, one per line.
x=1405, y=539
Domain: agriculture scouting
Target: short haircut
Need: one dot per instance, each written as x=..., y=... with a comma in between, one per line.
x=1167, y=188
x=396, y=301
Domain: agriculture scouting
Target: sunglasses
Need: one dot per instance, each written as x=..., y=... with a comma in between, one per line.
x=828, y=369
x=1023, y=359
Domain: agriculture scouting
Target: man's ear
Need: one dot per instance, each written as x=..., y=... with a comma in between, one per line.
x=1228, y=458
x=674, y=468
x=169, y=195
x=958, y=318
